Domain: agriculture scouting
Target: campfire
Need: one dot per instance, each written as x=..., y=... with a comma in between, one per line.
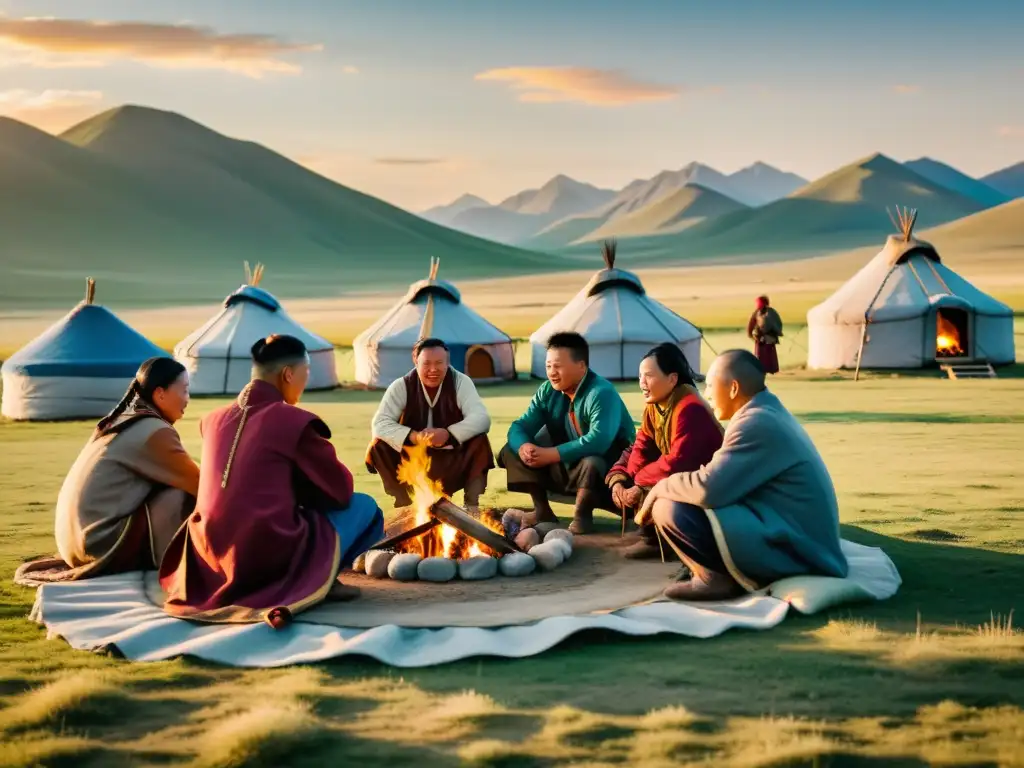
x=947, y=339
x=442, y=540
x=446, y=540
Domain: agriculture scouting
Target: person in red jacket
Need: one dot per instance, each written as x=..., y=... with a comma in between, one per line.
x=679, y=433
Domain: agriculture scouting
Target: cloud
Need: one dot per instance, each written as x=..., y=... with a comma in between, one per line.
x=582, y=85
x=51, y=42
x=409, y=160
x=50, y=110
x=349, y=69
x=1011, y=131
x=906, y=88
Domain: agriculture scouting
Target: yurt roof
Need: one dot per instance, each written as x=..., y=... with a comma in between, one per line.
x=416, y=314
x=253, y=294
x=603, y=316
x=434, y=287
x=227, y=333
x=610, y=276
x=902, y=281
x=89, y=341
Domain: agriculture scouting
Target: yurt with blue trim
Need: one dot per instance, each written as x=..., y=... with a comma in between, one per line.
x=620, y=322
x=78, y=368
x=433, y=307
x=218, y=354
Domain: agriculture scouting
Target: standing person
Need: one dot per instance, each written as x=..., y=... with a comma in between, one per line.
x=436, y=403
x=574, y=429
x=131, y=487
x=276, y=518
x=765, y=328
x=679, y=433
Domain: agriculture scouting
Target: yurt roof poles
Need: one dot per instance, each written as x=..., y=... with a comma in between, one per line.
x=427, y=325
x=253, y=276
x=904, y=221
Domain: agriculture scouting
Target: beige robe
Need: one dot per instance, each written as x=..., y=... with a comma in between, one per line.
x=131, y=487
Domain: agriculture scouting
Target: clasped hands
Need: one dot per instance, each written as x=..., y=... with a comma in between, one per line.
x=435, y=438
x=626, y=498
x=535, y=456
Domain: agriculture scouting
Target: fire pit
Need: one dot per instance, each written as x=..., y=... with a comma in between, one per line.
x=447, y=541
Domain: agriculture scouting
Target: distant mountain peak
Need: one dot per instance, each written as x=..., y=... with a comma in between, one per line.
x=877, y=162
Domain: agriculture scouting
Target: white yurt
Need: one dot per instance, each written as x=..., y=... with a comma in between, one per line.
x=435, y=308
x=906, y=309
x=218, y=356
x=78, y=368
x=620, y=322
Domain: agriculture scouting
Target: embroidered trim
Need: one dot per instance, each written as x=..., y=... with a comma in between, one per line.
x=243, y=403
x=723, y=549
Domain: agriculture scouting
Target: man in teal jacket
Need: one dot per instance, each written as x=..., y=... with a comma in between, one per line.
x=574, y=429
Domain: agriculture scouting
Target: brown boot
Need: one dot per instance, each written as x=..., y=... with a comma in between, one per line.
x=531, y=519
x=342, y=593
x=642, y=550
x=581, y=526
x=705, y=586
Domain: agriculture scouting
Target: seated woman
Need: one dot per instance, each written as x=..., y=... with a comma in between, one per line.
x=130, y=488
x=679, y=433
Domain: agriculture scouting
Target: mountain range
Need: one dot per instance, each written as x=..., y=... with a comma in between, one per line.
x=1009, y=181
x=565, y=211
x=758, y=208
x=159, y=207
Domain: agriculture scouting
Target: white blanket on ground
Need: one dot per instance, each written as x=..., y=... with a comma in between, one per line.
x=113, y=611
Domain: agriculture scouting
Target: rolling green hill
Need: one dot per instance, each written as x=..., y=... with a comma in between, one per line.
x=995, y=229
x=164, y=210
x=675, y=212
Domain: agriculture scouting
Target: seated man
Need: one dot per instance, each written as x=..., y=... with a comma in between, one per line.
x=276, y=518
x=762, y=509
x=588, y=425
x=679, y=433
x=436, y=403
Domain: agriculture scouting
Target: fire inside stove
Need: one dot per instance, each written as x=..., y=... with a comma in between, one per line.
x=950, y=333
x=442, y=540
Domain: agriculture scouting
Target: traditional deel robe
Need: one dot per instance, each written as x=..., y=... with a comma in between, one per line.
x=126, y=494
x=593, y=422
x=408, y=406
x=765, y=328
x=680, y=436
x=259, y=539
x=768, y=496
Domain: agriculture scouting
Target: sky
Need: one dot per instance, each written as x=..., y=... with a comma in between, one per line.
x=420, y=101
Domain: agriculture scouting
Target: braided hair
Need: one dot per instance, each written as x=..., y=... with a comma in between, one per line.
x=155, y=373
x=670, y=359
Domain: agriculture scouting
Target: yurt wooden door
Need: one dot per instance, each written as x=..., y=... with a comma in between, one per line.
x=479, y=363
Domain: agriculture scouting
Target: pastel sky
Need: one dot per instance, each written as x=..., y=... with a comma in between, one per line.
x=418, y=101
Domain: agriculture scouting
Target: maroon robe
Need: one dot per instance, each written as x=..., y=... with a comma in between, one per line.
x=258, y=540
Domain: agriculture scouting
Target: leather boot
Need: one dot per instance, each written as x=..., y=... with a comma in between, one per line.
x=705, y=586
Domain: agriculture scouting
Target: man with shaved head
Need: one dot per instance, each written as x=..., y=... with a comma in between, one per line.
x=762, y=509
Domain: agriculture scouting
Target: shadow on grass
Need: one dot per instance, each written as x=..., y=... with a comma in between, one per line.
x=780, y=670
x=873, y=417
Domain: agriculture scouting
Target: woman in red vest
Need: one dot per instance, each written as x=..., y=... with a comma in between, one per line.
x=679, y=433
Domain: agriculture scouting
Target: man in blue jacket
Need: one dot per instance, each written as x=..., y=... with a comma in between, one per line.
x=574, y=429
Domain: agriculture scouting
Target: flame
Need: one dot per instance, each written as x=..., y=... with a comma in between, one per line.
x=444, y=540
x=947, y=338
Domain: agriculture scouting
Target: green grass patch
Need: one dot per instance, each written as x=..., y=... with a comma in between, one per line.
x=925, y=468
